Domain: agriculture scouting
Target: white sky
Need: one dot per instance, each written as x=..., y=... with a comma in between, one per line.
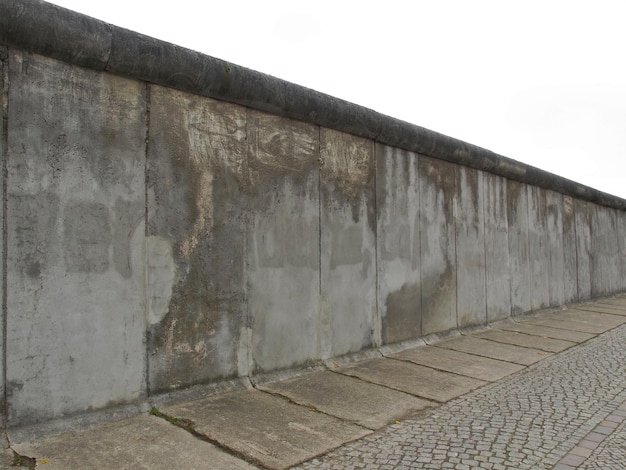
x=539, y=81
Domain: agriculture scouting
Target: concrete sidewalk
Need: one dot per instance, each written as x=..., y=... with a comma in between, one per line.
x=282, y=423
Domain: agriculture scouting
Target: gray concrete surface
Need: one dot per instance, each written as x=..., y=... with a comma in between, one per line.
x=601, y=320
x=526, y=340
x=437, y=245
x=426, y=382
x=496, y=350
x=142, y=442
x=538, y=249
x=557, y=276
x=266, y=428
x=497, y=255
x=605, y=271
x=574, y=324
x=4, y=88
x=582, y=221
x=370, y=405
x=547, y=332
x=460, y=363
x=348, y=310
x=570, y=239
x=172, y=221
x=196, y=156
x=601, y=308
x=588, y=322
x=398, y=241
x=75, y=239
x=283, y=282
x=469, y=216
x=519, y=261
x=568, y=410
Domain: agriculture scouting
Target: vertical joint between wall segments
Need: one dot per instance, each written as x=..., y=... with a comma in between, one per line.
x=485, y=247
x=378, y=327
x=455, y=204
x=321, y=307
x=319, y=204
x=4, y=100
x=146, y=233
x=418, y=224
x=530, y=293
x=247, y=335
x=576, y=244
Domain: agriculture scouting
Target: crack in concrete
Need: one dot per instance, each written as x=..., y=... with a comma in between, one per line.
x=17, y=459
x=23, y=461
x=189, y=426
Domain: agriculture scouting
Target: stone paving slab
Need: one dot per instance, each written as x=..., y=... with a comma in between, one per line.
x=525, y=340
x=458, y=362
x=412, y=378
x=265, y=428
x=494, y=350
x=369, y=405
x=548, y=332
x=570, y=324
x=611, y=310
x=141, y=442
x=617, y=303
x=604, y=320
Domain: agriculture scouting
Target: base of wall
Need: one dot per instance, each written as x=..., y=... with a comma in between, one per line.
x=92, y=418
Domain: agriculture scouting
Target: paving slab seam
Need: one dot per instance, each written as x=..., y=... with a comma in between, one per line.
x=442, y=369
x=547, y=354
x=189, y=426
x=602, y=311
x=504, y=342
x=311, y=408
x=395, y=389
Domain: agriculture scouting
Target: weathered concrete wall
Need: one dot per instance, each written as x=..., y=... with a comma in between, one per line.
x=497, y=255
x=437, y=245
x=195, y=238
x=348, y=311
x=283, y=247
x=174, y=220
x=75, y=235
x=398, y=244
x=519, y=257
x=4, y=99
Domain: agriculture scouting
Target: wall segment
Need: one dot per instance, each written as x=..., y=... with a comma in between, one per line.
x=173, y=220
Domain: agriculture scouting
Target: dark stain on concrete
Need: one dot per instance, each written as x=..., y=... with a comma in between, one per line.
x=438, y=252
x=517, y=215
x=34, y=228
x=402, y=320
x=470, y=207
x=87, y=237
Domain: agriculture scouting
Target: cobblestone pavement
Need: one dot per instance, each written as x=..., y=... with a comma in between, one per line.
x=529, y=420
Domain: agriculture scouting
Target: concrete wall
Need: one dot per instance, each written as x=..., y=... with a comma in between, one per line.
x=160, y=234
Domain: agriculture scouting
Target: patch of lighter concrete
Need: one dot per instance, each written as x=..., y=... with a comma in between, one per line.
x=161, y=272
